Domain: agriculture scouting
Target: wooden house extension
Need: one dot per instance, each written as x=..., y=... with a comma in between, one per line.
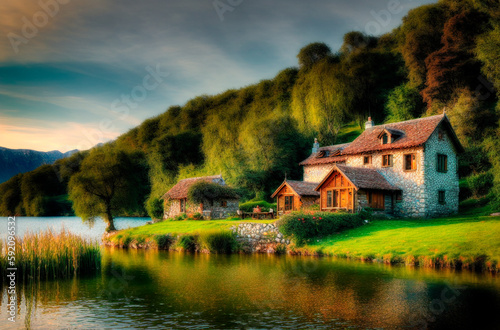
x=295, y=195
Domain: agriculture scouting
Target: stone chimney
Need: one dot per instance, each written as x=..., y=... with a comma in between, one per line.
x=315, y=148
x=369, y=123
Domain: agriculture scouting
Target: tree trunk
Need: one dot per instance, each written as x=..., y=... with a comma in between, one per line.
x=109, y=220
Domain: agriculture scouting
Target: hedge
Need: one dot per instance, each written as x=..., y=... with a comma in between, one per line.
x=302, y=226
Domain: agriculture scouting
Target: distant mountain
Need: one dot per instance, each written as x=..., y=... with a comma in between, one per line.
x=14, y=161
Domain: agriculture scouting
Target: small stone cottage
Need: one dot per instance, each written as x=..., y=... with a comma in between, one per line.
x=407, y=169
x=295, y=195
x=176, y=201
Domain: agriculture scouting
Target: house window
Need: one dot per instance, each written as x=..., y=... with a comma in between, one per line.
x=332, y=197
x=441, y=197
x=386, y=160
x=440, y=135
x=385, y=139
x=288, y=203
x=399, y=197
x=183, y=206
x=223, y=203
x=442, y=163
x=410, y=163
x=367, y=160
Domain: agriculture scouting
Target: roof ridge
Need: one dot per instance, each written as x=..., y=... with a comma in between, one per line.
x=410, y=120
x=201, y=177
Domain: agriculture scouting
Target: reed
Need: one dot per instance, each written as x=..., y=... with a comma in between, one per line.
x=50, y=255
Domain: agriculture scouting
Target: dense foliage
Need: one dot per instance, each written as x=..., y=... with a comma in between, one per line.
x=302, y=226
x=209, y=192
x=443, y=55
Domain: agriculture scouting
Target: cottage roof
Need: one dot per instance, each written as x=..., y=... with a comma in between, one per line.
x=361, y=178
x=411, y=133
x=326, y=155
x=301, y=188
x=180, y=190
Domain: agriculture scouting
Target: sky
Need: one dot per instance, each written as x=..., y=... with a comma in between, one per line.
x=75, y=73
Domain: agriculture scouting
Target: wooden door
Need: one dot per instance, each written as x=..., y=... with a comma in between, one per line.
x=344, y=198
x=376, y=200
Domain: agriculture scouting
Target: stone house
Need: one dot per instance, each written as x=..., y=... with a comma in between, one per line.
x=176, y=202
x=407, y=169
x=295, y=195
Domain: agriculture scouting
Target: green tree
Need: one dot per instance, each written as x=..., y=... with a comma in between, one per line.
x=313, y=53
x=403, y=103
x=110, y=181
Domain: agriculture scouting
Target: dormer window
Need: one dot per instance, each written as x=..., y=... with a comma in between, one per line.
x=389, y=135
x=327, y=153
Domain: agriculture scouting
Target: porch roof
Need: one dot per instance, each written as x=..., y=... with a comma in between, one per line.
x=361, y=178
x=301, y=188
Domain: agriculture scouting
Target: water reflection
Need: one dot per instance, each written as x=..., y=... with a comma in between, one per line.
x=161, y=289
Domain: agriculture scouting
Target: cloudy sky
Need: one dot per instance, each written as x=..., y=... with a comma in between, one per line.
x=74, y=73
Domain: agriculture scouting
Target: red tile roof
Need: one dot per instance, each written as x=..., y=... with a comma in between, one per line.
x=361, y=178
x=315, y=158
x=302, y=188
x=180, y=190
x=414, y=134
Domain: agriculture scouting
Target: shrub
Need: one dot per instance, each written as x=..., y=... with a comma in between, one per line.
x=302, y=226
x=203, y=191
x=187, y=242
x=218, y=241
x=265, y=206
x=280, y=248
x=164, y=241
x=154, y=206
x=480, y=184
x=197, y=216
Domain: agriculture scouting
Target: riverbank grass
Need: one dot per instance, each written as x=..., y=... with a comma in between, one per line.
x=50, y=255
x=458, y=242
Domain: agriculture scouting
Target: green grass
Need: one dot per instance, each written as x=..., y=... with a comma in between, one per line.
x=125, y=237
x=349, y=132
x=456, y=241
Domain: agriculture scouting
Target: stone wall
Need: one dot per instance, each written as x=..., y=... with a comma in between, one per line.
x=316, y=173
x=219, y=212
x=411, y=183
x=172, y=209
x=436, y=181
x=259, y=237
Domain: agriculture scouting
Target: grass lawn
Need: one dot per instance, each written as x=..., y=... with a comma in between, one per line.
x=463, y=238
x=184, y=227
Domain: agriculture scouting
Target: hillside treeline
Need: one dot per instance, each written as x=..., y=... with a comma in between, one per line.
x=443, y=56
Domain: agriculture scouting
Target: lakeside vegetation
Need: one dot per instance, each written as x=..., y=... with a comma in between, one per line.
x=467, y=241
x=49, y=255
x=443, y=54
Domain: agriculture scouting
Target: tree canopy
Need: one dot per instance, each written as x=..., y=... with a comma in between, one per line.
x=110, y=181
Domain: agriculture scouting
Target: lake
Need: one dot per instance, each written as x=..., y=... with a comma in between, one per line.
x=72, y=224
x=159, y=289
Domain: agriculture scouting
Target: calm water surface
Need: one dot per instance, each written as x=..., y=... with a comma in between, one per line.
x=158, y=289
x=72, y=224
x=151, y=289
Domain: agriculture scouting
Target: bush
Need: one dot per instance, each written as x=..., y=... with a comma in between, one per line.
x=154, y=206
x=180, y=217
x=480, y=184
x=265, y=206
x=163, y=241
x=301, y=226
x=187, y=242
x=218, y=241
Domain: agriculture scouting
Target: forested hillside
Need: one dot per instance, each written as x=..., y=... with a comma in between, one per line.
x=444, y=55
